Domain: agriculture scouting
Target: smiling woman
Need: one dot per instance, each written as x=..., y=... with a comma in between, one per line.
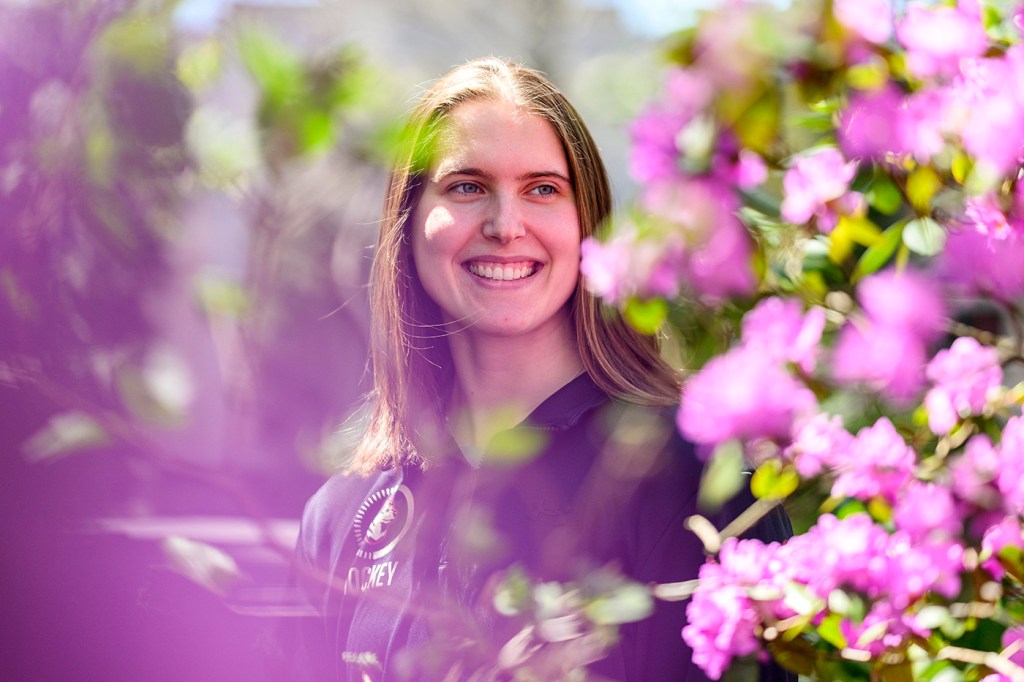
x=515, y=429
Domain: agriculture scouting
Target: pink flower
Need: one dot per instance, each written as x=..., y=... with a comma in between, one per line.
x=813, y=183
x=819, y=443
x=655, y=133
x=625, y=266
x=718, y=259
x=921, y=567
x=904, y=299
x=923, y=124
x=963, y=378
x=870, y=126
x=780, y=328
x=1006, y=533
x=976, y=266
x=938, y=37
x=722, y=618
x=743, y=394
x=879, y=463
x=926, y=509
x=989, y=98
x=974, y=473
x=889, y=360
x=721, y=625
x=887, y=351
x=1011, y=470
x=871, y=20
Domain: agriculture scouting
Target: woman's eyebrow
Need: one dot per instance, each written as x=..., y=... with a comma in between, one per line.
x=478, y=173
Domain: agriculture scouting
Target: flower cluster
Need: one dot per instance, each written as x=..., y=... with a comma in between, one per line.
x=832, y=193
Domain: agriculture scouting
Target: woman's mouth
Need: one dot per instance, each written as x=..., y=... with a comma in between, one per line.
x=503, y=272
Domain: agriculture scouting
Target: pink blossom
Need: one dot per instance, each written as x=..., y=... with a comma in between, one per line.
x=721, y=617
x=974, y=473
x=963, y=377
x=890, y=360
x=870, y=125
x=750, y=169
x=904, y=299
x=742, y=394
x=813, y=183
x=780, y=328
x=973, y=264
x=991, y=105
x=625, y=266
x=1006, y=533
x=721, y=625
x=926, y=509
x=938, y=37
x=871, y=20
x=879, y=463
x=921, y=567
x=887, y=351
x=655, y=133
x=718, y=260
x=923, y=123
x=1011, y=471
x=819, y=444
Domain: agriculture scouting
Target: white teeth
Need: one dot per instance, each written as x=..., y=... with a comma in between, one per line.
x=502, y=272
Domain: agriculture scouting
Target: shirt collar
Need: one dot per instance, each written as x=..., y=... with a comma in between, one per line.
x=563, y=408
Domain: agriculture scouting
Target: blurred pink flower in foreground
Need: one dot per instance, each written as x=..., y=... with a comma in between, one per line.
x=743, y=394
x=963, y=378
x=868, y=19
x=814, y=184
x=887, y=350
x=625, y=266
x=870, y=125
x=974, y=264
x=1011, y=465
x=999, y=536
x=938, y=37
x=719, y=251
x=989, y=98
x=780, y=328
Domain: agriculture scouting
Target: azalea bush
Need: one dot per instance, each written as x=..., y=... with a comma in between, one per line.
x=830, y=233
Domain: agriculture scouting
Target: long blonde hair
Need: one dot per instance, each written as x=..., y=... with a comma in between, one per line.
x=412, y=367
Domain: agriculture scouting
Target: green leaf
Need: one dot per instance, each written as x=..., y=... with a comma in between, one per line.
x=773, y=481
x=879, y=253
x=646, y=316
x=884, y=196
x=924, y=236
x=831, y=632
x=723, y=476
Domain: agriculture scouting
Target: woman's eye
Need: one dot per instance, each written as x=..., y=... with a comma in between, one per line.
x=465, y=188
x=544, y=190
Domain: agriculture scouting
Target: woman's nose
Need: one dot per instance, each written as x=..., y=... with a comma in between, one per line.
x=505, y=222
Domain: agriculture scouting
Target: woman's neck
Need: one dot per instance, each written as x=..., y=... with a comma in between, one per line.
x=500, y=380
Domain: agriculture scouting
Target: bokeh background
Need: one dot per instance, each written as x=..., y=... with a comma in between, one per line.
x=188, y=203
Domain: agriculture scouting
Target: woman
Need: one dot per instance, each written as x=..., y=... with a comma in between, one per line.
x=514, y=422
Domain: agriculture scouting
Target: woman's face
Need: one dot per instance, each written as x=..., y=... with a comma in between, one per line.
x=495, y=235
